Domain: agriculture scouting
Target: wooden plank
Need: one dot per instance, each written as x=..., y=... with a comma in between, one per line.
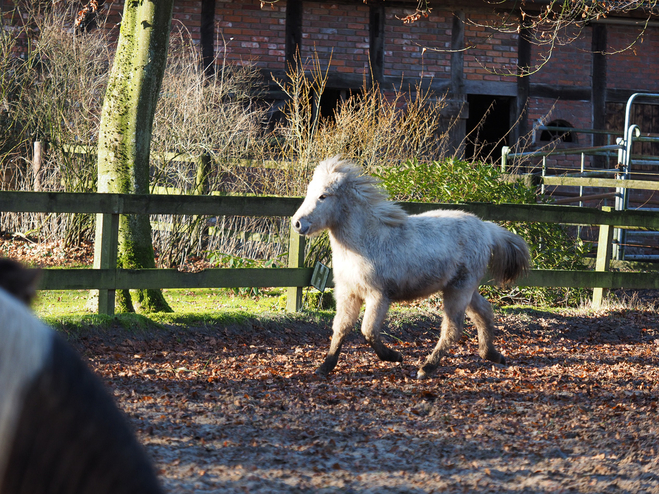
x=70, y=202
x=211, y=205
x=603, y=261
x=83, y=279
x=105, y=256
x=535, y=213
x=59, y=202
x=295, y=260
x=590, y=279
x=601, y=182
x=62, y=202
x=106, y=279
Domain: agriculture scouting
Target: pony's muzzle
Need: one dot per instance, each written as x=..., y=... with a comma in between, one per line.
x=301, y=226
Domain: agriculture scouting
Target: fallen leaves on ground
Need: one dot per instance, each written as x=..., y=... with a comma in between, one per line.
x=239, y=409
x=46, y=254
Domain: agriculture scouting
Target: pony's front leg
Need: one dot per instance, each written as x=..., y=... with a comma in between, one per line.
x=374, y=314
x=347, y=312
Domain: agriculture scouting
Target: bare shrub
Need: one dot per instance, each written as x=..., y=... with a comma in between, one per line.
x=52, y=94
x=372, y=127
x=207, y=133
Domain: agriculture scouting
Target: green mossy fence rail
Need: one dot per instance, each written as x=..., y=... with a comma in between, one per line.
x=106, y=278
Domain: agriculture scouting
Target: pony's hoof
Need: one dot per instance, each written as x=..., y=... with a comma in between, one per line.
x=425, y=372
x=495, y=357
x=323, y=371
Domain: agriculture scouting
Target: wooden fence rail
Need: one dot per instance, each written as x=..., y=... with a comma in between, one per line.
x=107, y=278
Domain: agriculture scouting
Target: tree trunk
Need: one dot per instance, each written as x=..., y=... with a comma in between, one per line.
x=125, y=132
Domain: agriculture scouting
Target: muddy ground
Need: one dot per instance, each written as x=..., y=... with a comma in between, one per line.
x=239, y=408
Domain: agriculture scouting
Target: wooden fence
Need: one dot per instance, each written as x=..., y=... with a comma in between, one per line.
x=107, y=278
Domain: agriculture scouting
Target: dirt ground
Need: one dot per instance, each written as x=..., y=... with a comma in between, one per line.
x=239, y=409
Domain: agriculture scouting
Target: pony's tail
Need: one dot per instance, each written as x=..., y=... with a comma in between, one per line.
x=510, y=256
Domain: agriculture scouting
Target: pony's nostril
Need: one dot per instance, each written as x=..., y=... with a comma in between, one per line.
x=298, y=225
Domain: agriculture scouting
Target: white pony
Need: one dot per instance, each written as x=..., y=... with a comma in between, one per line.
x=381, y=254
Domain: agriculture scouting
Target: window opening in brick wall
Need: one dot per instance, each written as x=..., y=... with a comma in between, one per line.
x=332, y=97
x=555, y=135
x=487, y=126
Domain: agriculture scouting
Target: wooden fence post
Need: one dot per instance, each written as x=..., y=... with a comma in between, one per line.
x=39, y=150
x=202, y=174
x=296, y=245
x=105, y=255
x=604, y=249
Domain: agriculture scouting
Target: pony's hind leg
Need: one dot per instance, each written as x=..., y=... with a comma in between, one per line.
x=347, y=312
x=480, y=312
x=374, y=314
x=454, y=304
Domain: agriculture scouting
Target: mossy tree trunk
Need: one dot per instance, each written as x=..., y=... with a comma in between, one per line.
x=124, y=140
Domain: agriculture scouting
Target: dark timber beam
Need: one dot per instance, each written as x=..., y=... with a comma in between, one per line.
x=457, y=84
x=457, y=54
x=523, y=80
x=598, y=88
x=208, y=36
x=293, y=30
x=376, y=41
x=570, y=93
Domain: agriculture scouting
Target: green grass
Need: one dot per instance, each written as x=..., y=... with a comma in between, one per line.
x=204, y=307
x=66, y=310
x=52, y=303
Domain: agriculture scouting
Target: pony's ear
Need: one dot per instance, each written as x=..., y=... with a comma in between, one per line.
x=19, y=281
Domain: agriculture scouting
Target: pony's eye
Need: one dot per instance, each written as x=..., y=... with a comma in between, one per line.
x=322, y=197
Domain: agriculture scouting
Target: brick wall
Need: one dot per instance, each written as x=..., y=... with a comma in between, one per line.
x=187, y=15
x=577, y=113
x=490, y=55
x=568, y=65
x=246, y=33
x=186, y=18
x=339, y=30
x=404, y=43
x=628, y=69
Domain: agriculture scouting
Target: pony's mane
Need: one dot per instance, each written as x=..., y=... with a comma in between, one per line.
x=349, y=176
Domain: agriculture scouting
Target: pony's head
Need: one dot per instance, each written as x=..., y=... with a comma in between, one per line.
x=337, y=187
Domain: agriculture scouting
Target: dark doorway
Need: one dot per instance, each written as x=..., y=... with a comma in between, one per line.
x=332, y=98
x=487, y=126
